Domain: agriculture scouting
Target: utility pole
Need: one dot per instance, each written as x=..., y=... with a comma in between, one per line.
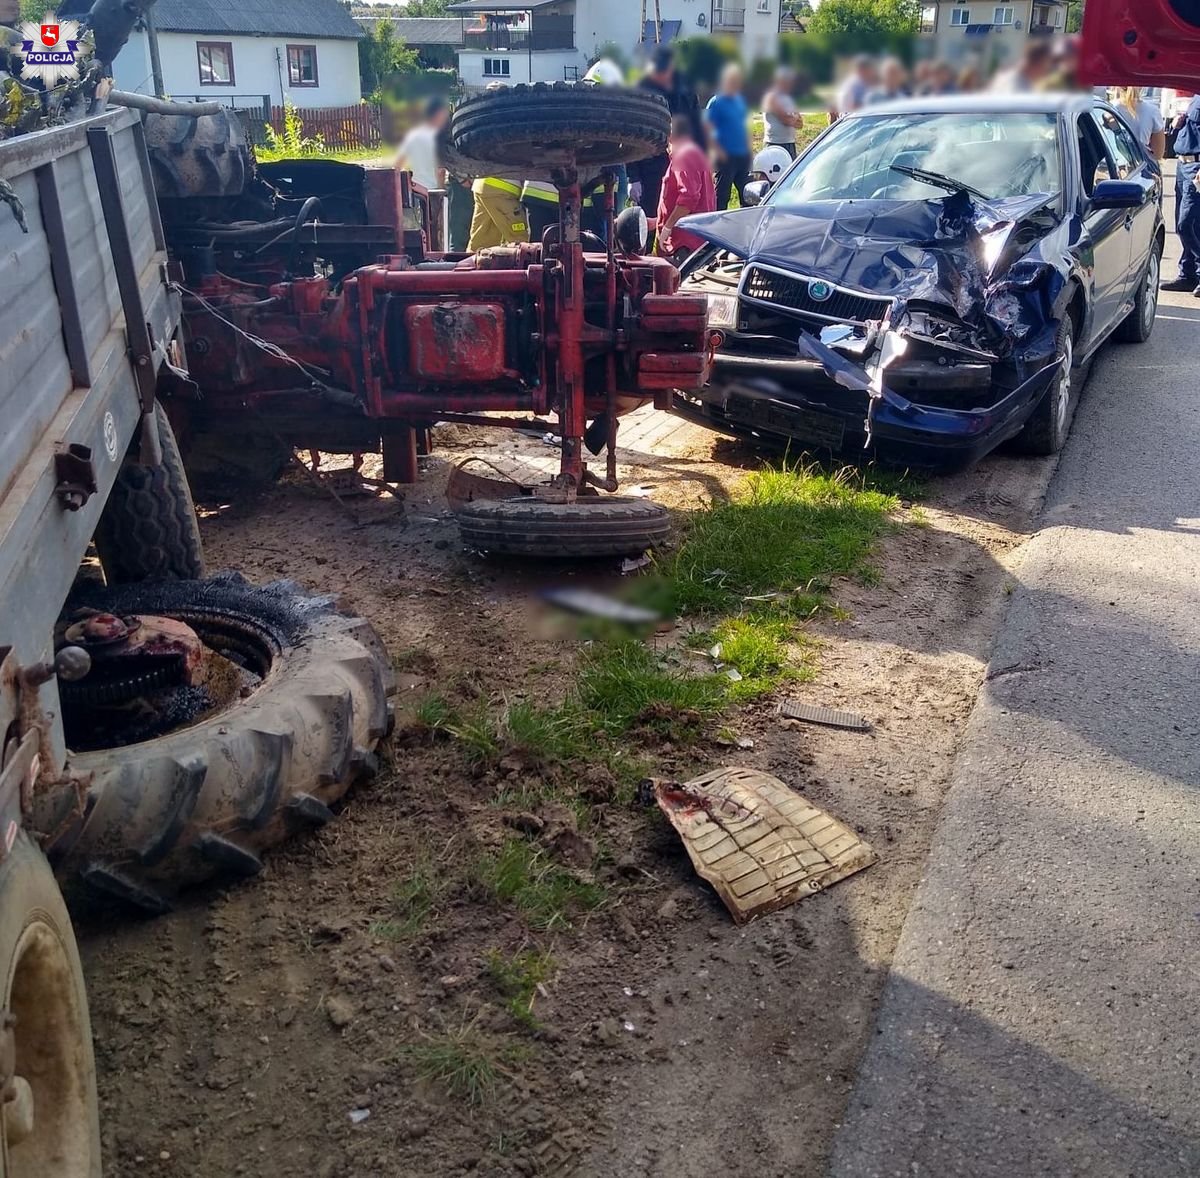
x=160, y=87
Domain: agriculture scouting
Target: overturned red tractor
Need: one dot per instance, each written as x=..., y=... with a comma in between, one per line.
x=291, y=337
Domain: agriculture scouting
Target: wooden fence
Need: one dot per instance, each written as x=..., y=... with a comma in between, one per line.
x=343, y=128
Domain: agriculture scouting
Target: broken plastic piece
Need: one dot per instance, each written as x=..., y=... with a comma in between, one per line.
x=829, y=717
x=761, y=845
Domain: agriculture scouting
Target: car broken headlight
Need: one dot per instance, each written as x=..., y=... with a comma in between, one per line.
x=722, y=310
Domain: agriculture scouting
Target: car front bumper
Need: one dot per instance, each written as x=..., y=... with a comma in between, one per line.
x=797, y=400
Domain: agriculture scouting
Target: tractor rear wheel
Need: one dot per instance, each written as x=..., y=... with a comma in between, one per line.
x=193, y=782
x=561, y=124
x=588, y=527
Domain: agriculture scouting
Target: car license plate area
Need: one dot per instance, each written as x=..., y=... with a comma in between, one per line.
x=821, y=429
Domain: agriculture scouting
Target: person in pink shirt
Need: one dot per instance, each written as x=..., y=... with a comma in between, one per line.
x=687, y=188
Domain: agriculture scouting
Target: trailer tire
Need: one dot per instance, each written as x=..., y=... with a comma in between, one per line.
x=204, y=802
x=53, y=1125
x=148, y=531
x=206, y=156
x=561, y=124
x=588, y=527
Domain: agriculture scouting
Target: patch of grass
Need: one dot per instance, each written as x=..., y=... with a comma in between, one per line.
x=476, y=733
x=433, y=714
x=517, y=978
x=786, y=529
x=760, y=648
x=413, y=902
x=468, y=1065
x=556, y=734
x=624, y=683
x=520, y=874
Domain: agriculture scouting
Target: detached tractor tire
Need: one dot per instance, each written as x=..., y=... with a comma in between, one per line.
x=148, y=531
x=588, y=527
x=204, y=802
x=51, y=1126
x=542, y=126
x=206, y=156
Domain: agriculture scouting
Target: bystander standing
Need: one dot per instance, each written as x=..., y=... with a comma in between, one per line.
x=727, y=115
x=687, y=188
x=1187, y=201
x=781, y=119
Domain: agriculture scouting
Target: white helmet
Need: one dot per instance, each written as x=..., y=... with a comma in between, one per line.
x=605, y=72
x=771, y=163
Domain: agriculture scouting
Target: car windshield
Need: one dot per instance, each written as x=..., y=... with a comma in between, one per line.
x=994, y=155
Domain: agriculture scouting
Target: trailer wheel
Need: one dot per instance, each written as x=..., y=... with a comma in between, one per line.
x=587, y=527
x=148, y=531
x=205, y=800
x=50, y=1115
x=563, y=123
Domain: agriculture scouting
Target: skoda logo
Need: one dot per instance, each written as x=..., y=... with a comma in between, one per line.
x=820, y=292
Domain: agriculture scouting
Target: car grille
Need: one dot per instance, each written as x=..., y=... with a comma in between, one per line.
x=793, y=293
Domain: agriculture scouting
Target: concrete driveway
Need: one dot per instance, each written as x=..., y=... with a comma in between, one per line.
x=1042, y=1016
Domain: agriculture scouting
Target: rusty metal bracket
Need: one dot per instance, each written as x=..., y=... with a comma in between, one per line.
x=75, y=476
x=141, y=346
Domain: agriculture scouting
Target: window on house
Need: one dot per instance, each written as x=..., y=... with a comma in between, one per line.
x=216, y=63
x=929, y=18
x=1058, y=18
x=764, y=5
x=1003, y=15
x=302, y=65
x=496, y=67
x=960, y=17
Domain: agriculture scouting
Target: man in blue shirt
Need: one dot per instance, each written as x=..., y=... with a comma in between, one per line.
x=726, y=114
x=1187, y=201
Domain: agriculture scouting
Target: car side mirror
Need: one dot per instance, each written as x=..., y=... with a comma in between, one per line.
x=1118, y=194
x=755, y=192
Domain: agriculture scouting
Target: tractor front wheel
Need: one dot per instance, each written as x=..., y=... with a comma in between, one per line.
x=588, y=527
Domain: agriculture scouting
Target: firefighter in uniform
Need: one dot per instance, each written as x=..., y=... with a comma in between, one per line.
x=1187, y=204
x=498, y=218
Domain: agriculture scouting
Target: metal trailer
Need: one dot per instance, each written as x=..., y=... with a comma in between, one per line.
x=87, y=319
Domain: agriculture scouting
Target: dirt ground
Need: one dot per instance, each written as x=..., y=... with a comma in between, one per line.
x=238, y=1035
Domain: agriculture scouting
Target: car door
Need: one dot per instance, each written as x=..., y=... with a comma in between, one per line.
x=1132, y=163
x=1105, y=236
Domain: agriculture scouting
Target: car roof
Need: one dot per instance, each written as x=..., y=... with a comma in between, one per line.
x=989, y=103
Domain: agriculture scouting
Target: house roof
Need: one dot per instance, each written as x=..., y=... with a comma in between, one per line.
x=271, y=18
x=500, y=5
x=421, y=30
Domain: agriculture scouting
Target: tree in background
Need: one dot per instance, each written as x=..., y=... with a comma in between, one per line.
x=382, y=56
x=1075, y=15
x=851, y=26
x=428, y=8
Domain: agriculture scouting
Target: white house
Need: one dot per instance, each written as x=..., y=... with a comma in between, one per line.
x=515, y=41
x=245, y=51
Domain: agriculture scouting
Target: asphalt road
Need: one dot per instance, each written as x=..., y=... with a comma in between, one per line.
x=1042, y=1016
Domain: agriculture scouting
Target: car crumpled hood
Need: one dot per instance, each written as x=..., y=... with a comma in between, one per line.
x=927, y=249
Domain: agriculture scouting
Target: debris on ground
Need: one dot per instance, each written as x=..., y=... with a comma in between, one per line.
x=591, y=604
x=828, y=717
x=760, y=844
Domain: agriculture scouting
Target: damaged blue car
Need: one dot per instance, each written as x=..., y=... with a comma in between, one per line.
x=929, y=279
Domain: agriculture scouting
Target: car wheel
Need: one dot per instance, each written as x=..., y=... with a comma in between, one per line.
x=1138, y=325
x=1046, y=431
